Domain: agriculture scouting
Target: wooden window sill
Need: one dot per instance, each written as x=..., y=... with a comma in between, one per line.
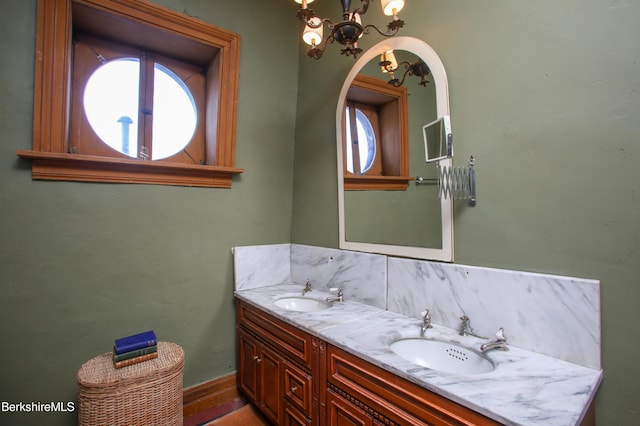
x=87, y=168
x=384, y=183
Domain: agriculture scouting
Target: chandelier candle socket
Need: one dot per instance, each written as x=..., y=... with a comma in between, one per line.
x=349, y=30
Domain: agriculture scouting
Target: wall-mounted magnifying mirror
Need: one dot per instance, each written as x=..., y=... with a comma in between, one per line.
x=438, y=140
x=381, y=209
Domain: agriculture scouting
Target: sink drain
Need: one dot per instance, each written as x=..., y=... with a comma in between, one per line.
x=457, y=354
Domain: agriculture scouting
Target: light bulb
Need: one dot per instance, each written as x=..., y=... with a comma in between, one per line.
x=391, y=7
x=303, y=2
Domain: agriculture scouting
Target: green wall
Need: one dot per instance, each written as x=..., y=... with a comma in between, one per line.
x=545, y=95
x=82, y=264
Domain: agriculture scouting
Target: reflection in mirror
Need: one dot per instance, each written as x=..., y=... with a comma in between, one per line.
x=412, y=221
x=438, y=140
x=375, y=135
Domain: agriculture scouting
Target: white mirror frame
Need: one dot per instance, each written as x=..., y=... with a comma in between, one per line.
x=439, y=78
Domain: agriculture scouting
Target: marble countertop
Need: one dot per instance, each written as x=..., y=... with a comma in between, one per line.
x=525, y=388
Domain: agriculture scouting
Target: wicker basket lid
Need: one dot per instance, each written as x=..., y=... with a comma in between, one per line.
x=100, y=371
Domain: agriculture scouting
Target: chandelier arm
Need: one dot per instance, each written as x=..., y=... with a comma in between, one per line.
x=330, y=24
x=397, y=83
x=390, y=32
x=309, y=22
x=317, y=51
x=363, y=9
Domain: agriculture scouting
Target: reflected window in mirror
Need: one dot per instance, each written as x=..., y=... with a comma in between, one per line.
x=362, y=139
x=375, y=136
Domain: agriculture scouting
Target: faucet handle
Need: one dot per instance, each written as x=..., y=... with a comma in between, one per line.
x=307, y=287
x=500, y=335
x=339, y=297
x=426, y=318
x=465, y=327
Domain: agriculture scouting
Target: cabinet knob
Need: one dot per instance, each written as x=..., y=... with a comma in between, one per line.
x=294, y=389
x=257, y=359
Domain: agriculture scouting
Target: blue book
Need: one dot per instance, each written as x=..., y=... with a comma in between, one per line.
x=137, y=341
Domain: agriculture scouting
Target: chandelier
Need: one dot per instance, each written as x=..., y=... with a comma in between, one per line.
x=389, y=64
x=349, y=30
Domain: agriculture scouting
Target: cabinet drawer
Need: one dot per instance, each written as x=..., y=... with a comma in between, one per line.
x=298, y=388
x=343, y=413
x=293, y=343
x=392, y=397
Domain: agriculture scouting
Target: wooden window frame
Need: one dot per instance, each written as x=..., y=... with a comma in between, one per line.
x=51, y=159
x=393, y=116
x=89, y=54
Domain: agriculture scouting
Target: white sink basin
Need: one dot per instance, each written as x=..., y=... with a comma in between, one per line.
x=301, y=304
x=442, y=356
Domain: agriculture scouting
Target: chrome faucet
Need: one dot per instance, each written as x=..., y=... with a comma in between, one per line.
x=499, y=343
x=426, y=321
x=339, y=297
x=307, y=288
x=466, y=329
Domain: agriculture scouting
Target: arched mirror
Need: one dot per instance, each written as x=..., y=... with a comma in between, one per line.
x=386, y=211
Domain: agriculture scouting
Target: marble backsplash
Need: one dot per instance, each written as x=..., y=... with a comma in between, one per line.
x=362, y=276
x=548, y=314
x=261, y=266
x=552, y=315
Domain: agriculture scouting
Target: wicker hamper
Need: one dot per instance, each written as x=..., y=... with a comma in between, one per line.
x=144, y=394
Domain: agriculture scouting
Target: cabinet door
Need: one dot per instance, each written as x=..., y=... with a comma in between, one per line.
x=270, y=395
x=343, y=413
x=293, y=417
x=248, y=365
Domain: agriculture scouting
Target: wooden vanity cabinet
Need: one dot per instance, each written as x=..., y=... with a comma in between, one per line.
x=296, y=379
x=300, y=380
x=360, y=393
x=274, y=367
